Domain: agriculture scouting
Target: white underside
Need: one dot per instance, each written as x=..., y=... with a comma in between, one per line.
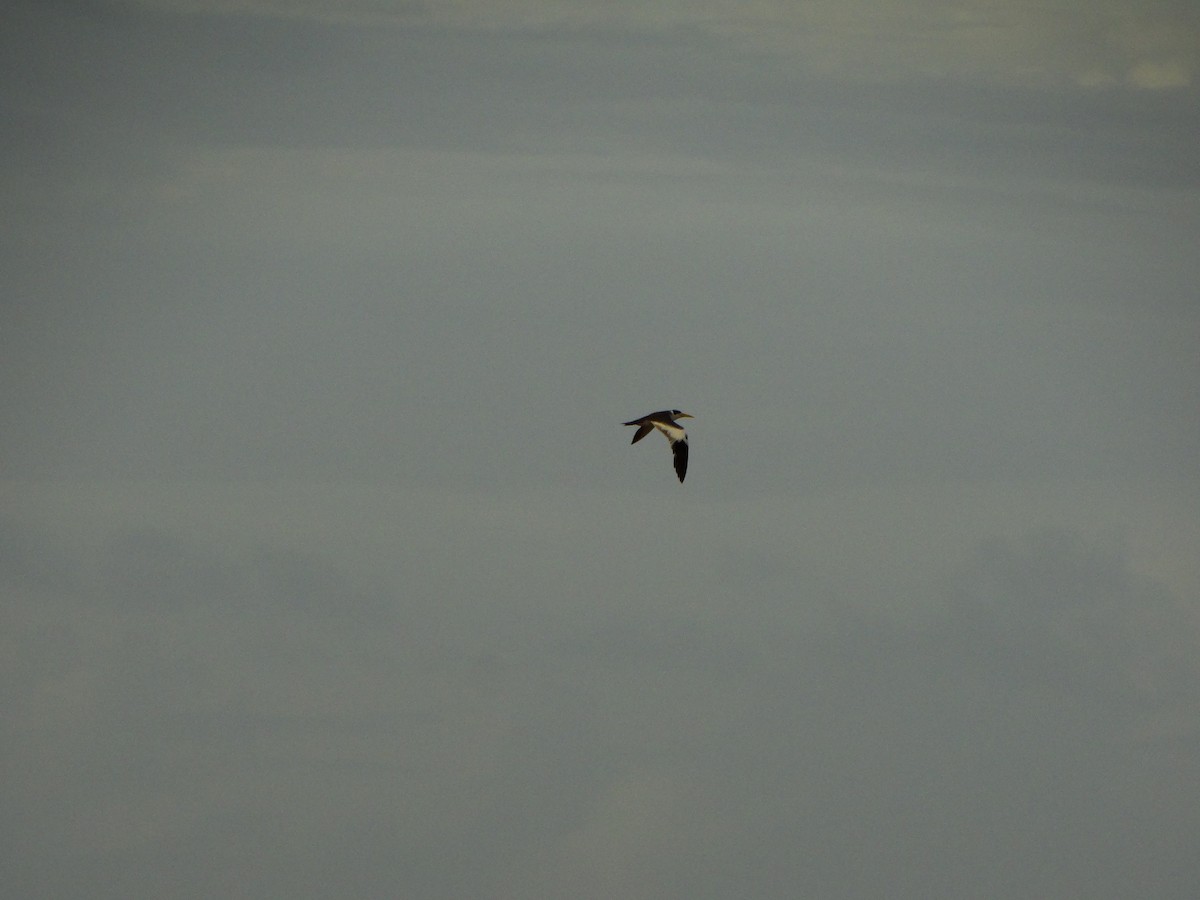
x=673, y=432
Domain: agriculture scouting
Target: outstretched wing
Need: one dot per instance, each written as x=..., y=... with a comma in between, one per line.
x=680, y=450
x=644, y=429
x=679, y=445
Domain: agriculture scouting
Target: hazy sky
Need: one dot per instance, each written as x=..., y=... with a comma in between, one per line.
x=327, y=568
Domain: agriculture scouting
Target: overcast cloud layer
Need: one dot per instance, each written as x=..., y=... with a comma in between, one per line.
x=327, y=570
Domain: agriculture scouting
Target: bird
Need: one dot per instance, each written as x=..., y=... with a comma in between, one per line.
x=664, y=421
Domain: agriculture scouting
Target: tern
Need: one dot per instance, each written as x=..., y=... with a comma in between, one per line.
x=665, y=422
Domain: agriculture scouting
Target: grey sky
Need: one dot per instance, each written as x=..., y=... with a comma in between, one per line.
x=327, y=569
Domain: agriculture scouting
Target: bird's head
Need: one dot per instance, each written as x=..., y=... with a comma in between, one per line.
x=680, y=414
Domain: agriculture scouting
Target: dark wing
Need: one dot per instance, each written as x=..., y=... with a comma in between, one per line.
x=644, y=429
x=680, y=451
x=663, y=415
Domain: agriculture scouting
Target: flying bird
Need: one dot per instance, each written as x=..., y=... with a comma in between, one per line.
x=665, y=422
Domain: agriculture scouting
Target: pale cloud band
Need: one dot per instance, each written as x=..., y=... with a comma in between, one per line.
x=1074, y=42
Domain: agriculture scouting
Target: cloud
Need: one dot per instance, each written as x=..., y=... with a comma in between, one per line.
x=1054, y=612
x=1158, y=75
x=1023, y=700
x=1066, y=41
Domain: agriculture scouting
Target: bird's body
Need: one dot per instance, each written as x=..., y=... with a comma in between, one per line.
x=664, y=421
